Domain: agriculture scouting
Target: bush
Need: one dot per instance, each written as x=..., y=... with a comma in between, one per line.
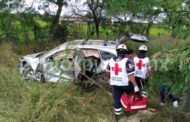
x=61, y=33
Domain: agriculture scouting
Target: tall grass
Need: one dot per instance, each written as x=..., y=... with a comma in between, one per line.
x=61, y=102
x=30, y=101
x=22, y=101
x=7, y=57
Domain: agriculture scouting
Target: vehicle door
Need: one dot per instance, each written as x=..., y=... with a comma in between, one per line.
x=59, y=66
x=87, y=62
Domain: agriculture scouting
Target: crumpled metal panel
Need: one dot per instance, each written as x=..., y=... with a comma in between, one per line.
x=39, y=62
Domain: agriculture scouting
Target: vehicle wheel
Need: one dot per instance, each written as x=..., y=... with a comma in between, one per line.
x=28, y=74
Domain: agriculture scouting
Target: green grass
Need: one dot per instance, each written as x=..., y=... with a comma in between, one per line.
x=37, y=102
x=64, y=102
x=155, y=31
x=27, y=101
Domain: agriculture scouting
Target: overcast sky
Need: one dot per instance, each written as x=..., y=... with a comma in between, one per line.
x=72, y=4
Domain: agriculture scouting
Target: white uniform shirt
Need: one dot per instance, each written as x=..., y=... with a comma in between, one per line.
x=141, y=66
x=118, y=72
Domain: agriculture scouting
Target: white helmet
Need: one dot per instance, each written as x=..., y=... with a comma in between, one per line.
x=143, y=48
x=122, y=47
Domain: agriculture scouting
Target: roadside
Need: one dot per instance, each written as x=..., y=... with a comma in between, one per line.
x=30, y=101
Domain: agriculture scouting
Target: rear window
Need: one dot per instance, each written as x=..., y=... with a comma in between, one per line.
x=106, y=55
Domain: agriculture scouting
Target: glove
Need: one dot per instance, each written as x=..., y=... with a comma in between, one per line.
x=136, y=89
x=137, y=95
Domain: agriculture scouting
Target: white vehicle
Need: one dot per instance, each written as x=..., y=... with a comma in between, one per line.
x=72, y=61
x=66, y=62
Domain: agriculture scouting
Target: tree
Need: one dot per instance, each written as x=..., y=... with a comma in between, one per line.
x=10, y=5
x=55, y=22
x=151, y=13
x=94, y=11
x=6, y=21
x=95, y=7
x=134, y=12
x=177, y=17
x=44, y=4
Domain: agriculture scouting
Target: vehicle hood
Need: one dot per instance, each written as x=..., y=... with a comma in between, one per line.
x=32, y=59
x=34, y=55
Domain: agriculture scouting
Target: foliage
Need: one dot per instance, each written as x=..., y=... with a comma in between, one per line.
x=7, y=5
x=61, y=33
x=30, y=101
x=94, y=11
x=41, y=23
x=177, y=16
x=158, y=31
x=83, y=31
x=173, y=69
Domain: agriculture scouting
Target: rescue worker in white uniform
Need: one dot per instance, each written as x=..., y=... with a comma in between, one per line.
x=142, y=66
x=121, y=70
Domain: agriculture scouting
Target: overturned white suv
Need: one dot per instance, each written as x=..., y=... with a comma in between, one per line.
x=67, y=62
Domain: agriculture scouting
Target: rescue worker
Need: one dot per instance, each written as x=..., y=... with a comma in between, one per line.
x=121, y=70
x=142, y=66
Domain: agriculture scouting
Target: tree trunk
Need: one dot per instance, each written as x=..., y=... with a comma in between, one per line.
x=97, y=23
x=26, y=36
x=55, y=22
x=88, y=29
x=35, y=33
x=148, y=29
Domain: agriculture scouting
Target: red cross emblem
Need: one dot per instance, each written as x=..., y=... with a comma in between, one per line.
x=116, y=69
x=140, y=64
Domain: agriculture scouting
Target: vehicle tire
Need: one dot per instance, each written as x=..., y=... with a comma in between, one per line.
x=28, y=74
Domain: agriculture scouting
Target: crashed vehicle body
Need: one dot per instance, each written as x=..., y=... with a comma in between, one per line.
x=72, y=61
x=66, y=62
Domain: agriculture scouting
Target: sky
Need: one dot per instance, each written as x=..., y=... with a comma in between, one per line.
x=72, y=4
x=76, y=5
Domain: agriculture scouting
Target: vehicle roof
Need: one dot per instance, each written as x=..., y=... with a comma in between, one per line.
x=110, y=49
x=92, y=42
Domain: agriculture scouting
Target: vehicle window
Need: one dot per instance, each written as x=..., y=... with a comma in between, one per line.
x=58, y=56
x=90, y=52
x=106, y=55
x=61, y=55
x=61, y=61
